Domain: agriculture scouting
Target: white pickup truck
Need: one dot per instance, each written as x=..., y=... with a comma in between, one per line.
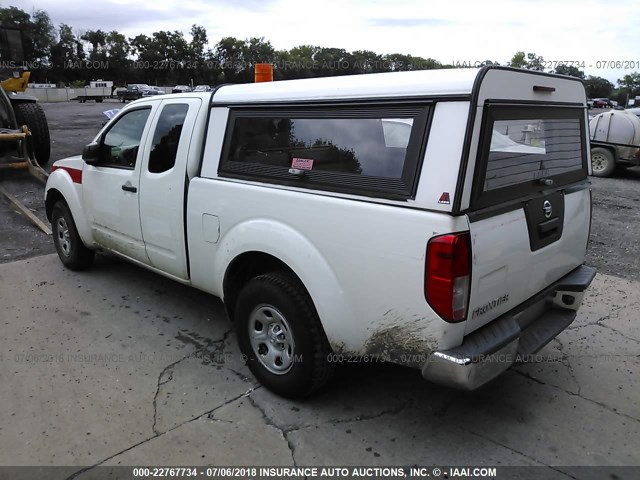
x=435, y=219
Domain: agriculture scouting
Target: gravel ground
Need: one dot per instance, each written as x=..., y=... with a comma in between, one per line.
x=615, y=228
x=615, y=232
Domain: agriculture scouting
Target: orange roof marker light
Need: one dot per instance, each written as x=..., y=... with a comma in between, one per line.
x=263, y=72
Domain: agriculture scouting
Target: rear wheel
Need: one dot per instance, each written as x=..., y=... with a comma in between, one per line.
x=72, y=252
x=32, y=115
x=280, y=334
x=603, y=162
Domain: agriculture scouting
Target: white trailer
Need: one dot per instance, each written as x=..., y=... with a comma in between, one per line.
x=97, y=90
x=615, y=141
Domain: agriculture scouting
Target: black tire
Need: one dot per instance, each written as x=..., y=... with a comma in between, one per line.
x=98, y=100
x=72, y=252
x=299, y=341
x=32, y=115
x=603, y=163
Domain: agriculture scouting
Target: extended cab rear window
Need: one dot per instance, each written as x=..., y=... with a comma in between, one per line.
x=369, y=150
x=527, y=147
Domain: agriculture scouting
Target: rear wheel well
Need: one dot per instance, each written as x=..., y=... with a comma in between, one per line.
x=242, y=269
x=53, y=196
x=606, y=147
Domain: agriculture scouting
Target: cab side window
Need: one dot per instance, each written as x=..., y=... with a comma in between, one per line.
x=122, y=142
x=167, y=138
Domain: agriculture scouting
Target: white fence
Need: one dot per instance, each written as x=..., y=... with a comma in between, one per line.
x=67, y=94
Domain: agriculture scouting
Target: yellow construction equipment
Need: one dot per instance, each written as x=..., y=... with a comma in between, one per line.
x=24, y=132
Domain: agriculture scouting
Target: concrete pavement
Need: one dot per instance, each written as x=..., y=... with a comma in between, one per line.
x=119, y=366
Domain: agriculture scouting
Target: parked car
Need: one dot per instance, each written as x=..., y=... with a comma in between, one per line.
x=181, y=89
x=153, y=91
x=602, y=103
x=368, y=217
x=134, y=91
x=202, y=88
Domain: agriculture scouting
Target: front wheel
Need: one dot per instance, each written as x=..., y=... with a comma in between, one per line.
x=603, y=162
x=72, y=252
x=280, y=335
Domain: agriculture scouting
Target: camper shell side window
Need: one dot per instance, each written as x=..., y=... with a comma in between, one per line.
x=373, y=150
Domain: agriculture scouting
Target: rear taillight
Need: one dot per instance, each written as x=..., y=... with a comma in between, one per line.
x=448, y=275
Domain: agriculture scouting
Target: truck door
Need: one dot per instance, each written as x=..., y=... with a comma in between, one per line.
x=110, y=187
x=163, y=183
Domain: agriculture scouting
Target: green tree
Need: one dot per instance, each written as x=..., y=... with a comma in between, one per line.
x=228, y=56
x=67, y=56
x=365, y=61
x=299, y=62
x=630, y=84
x=201, y=71
x=160, y=59
x=117, y=50
x=530, y=61
x=42, y=35
x=519, y=60
x=237, y=58
x=97, y=39
x=138, y=45
x=569, y=70
x=598, y=87
x=38, y=36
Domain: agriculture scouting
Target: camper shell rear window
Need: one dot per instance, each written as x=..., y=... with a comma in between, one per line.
x=373, y=150
x=526, y=147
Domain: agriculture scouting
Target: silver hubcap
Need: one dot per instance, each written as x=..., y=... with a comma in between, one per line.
x=598, y=163
x=62, y=236
x=271, y=339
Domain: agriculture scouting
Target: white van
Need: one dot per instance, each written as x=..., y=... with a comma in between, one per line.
x=436, y=219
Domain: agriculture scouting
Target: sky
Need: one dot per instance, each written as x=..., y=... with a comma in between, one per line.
x=601, y=36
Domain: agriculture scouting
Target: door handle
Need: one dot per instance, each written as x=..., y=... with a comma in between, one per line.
x=548, y=227
x=129, y=188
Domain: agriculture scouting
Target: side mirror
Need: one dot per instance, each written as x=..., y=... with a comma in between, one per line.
x=91, y=153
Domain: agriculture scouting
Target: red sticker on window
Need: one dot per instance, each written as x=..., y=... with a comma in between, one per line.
x=302, y=163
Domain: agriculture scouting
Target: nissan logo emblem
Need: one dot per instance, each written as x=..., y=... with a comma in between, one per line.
x=546, y=206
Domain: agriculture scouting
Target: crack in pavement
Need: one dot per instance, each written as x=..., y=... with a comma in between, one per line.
x=200, y=348
x=595, y=402
x=566, y=362
x=283, y=432
x=168, y=368
x=623, y=335
x=389, y=411
x=206, y=414
x=576, y=326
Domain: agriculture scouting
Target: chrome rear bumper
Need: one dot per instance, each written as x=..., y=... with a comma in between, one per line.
x=492, y=349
